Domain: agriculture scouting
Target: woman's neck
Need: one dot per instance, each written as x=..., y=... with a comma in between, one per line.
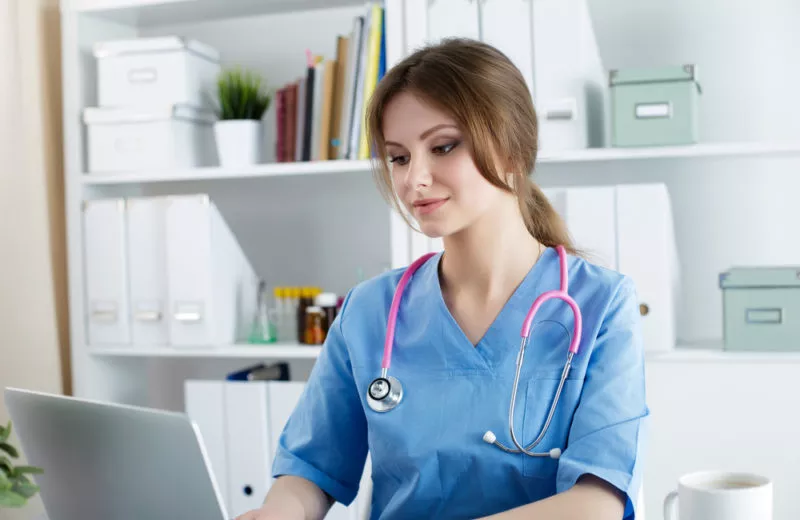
x=491, y=257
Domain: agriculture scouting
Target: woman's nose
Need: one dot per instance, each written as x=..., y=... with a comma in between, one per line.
x=419, y=173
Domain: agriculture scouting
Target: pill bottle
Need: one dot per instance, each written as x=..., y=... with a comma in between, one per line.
x=328, y=302
x=314, y=330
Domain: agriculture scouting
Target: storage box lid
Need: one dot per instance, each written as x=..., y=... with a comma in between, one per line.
x=760, y=277
x=95, y=115
x=653, y=75
x=154, y=45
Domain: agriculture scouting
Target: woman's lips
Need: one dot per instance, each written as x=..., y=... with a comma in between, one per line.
x=428, y=206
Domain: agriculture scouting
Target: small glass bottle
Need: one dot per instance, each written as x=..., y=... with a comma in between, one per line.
x=314, y=330
x=262, y=330
x=303, y=303
x=328, y=302
x=280, y=313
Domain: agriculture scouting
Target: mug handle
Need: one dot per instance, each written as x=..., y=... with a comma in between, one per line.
x=669, y=506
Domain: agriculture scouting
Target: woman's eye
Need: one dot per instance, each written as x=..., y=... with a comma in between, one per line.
x=398, y=159
x=445, y=148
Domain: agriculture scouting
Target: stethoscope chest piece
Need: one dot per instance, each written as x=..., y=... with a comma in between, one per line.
x=384, y=393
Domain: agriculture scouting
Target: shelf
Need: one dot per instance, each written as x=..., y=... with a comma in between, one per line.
x=591, y=155
x=705, y=150
x=240, y=351
x=713, y=353
x=155, y=13
x=220, y=173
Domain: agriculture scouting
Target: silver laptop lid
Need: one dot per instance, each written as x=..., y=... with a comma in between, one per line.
x=109, y=461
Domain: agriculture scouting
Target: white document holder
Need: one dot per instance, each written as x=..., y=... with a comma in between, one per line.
x=147, y=269
x=211, y=285
x=241, y=424
x=105, y=272
x=628, y=228
x=568, y=74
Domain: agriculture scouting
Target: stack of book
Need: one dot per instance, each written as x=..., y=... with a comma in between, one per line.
x=320, y=116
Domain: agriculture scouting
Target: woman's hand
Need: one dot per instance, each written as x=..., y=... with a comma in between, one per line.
x=291, y=498
x=257, y=514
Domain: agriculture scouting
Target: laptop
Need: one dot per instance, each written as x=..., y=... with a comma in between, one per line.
x=106, y=461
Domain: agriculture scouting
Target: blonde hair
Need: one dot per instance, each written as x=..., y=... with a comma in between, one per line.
x=485, y=93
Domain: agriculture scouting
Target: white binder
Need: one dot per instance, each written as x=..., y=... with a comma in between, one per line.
x=247, y=430
x=105, y=272
x=628, y=228
x=240, y=423
x=211, y=285
x=648, y=254
x=205, y=405
x=452, y=18
x=590, y=216
x=147, y=261
x=507, y=26
x=568, y=74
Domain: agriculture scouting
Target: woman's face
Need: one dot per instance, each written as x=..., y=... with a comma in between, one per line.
x=432, y=168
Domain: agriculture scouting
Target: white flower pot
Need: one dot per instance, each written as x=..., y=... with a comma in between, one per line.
x=239, y=142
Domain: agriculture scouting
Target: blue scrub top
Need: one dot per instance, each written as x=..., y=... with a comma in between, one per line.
x=428, y=456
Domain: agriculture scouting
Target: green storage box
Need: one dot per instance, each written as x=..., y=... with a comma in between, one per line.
x=761, y=308
x=654, y=106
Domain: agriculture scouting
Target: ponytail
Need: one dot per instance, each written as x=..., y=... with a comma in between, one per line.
x=542, y=220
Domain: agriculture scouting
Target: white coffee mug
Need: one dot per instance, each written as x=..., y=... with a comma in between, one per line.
x=720, y=495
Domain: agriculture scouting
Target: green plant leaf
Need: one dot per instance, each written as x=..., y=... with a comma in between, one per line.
x=30, y=470
x=5, y=432
x=5, y=481
x=241, y=94
x=9, y=498
x=5, y=465
x=25, y=488
x=11, y=450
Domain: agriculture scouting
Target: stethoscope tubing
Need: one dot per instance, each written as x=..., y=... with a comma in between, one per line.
x=388, y=390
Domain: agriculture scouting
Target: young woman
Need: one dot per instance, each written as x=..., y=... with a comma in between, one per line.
x=456, y=132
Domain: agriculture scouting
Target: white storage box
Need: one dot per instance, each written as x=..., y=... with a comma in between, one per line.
x=155, y=71
x=121, y=139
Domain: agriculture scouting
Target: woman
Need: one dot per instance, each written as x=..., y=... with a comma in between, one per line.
x=456, y=132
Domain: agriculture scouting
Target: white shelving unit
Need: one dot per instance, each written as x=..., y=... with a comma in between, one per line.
x=256, y=199
x=296, y=221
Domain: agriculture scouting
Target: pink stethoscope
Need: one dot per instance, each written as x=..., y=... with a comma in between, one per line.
x=386, y=392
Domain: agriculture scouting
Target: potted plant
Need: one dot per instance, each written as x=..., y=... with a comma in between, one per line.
x=242, y=100
x=15, y=486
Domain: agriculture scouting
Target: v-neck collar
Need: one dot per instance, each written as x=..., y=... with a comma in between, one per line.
x=503, y=335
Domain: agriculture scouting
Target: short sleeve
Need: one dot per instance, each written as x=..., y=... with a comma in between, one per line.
x=325, y=438
x=609, y=426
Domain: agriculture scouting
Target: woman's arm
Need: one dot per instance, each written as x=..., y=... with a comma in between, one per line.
x=590, y=499
x=292, y=498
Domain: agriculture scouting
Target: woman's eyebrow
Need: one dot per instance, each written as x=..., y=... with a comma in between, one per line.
x=426, y=133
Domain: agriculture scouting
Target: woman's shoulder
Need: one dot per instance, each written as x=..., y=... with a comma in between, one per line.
x=373, y=293
x=591, y=280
